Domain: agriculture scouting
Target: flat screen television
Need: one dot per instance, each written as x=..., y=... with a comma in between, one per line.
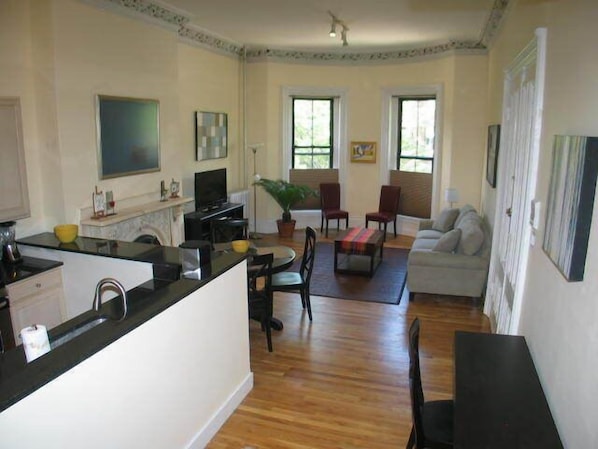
x=210, y=189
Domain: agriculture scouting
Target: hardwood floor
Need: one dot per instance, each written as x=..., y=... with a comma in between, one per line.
x=341, y=381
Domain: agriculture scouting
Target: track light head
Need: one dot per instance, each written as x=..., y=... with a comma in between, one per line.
x=332, y=29
x=335, y=22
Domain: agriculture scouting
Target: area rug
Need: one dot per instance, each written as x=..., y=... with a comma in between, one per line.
x=385, y=286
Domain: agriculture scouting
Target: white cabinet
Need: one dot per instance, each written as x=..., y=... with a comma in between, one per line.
x=14, y=202
x=37, y=300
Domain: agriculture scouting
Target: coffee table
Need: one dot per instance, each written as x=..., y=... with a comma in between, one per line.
x=362, y=249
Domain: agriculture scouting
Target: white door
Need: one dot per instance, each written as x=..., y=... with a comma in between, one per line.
x=517, y=165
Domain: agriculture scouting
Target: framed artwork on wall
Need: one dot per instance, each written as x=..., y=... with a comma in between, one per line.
x=492, y=156
x=363, y=152
x=211, y=135
x=128, y=136
x=571, y=203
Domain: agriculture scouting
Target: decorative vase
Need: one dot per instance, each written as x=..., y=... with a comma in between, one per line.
x=286, y=228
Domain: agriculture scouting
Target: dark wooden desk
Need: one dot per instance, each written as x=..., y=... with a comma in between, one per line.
x=499, y=402
x=198, y=224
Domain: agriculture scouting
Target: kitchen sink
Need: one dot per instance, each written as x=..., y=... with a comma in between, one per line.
x=81, y=328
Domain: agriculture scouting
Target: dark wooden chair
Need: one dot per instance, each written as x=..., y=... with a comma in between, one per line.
x=229, y=229
x=388, y=208
x=259, y=292
x=432, y=420
x=330, y=203
x=289, y=281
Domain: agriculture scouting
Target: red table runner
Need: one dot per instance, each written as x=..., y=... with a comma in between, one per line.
x=357, y=240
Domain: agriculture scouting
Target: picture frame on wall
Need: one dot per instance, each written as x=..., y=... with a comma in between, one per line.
x=128, y=132
x=211, y=135
x=570, y=203
x=363, y=152
x=492, y=154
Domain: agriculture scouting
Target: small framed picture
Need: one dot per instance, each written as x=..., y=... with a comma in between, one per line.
x=99, y=204
x=363, y=152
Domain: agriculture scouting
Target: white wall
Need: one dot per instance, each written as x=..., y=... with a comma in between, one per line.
x=57, y=55
x=559, y=318
x=170, y=383
x=463, y=80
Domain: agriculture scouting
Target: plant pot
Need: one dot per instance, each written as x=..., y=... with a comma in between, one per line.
x=286, y=228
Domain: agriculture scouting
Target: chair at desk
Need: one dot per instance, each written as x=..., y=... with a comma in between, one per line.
x=288, y=281
x=229, y=229
x=260, y=293
x=432, y=420
x=330, y=203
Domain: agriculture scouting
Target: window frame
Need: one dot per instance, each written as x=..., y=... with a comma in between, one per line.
x=341, y=145
x=388, y=138
x=330, y=146
x=400, y=100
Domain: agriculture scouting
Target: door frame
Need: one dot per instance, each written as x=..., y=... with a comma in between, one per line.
x=535, y=52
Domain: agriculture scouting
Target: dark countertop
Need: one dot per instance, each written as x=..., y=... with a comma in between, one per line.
x=29, y=266
x=19, y=378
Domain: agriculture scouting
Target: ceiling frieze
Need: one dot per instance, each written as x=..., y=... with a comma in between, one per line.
x=159, y=13
x=493, y=23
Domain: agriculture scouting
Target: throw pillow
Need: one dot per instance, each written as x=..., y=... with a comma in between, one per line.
x=464, y=212
x=448, y=242
x=445, y=220
x=472, y=237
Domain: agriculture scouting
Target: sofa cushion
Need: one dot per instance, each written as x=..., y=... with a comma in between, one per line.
x=445, y=220
x=465, y=211
x=448, y=242
x=429, y=234
x=424, y=244
x=472, y=236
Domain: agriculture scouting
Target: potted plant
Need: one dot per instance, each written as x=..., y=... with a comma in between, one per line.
x=287, y=195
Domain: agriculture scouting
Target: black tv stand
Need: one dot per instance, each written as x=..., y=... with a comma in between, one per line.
x=198, y=224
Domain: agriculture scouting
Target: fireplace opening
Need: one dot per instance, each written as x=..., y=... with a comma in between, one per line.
x=147, y=238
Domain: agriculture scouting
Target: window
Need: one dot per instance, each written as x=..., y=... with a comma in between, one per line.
x=312, y=128
x=415, y=152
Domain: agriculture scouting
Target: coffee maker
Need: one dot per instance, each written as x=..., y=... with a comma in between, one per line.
x=10, y=252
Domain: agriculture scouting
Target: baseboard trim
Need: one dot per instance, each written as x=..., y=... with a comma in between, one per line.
x=205, y=434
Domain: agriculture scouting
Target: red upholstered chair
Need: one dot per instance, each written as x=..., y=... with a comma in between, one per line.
x=330, y=203
x=388, y=208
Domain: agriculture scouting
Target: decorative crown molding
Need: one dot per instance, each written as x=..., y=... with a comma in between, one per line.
x=493, y=23
x=155, y=11
x=379, y=56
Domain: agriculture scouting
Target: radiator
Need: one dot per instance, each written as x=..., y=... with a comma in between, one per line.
x=241, y=197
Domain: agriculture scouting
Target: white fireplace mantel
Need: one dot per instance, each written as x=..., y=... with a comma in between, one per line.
x=163, y=219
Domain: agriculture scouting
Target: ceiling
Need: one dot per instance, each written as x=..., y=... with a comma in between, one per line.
x=374, y=25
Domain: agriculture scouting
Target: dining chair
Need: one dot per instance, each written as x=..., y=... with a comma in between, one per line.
x=229, y=229
x=330, y=204
x=388, y=208
x=289, y=281
x=433, y=420
x=259, y=292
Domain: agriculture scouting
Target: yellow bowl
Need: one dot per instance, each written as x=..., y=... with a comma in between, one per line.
x=240, y=246
x=66, y=233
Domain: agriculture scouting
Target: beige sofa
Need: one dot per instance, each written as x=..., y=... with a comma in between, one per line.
x=450, y=255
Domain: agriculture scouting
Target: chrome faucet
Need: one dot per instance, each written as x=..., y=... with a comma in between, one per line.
x=97, y=299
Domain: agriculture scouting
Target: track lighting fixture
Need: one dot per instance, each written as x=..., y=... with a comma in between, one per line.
x=344, y=37
x=336, y=21
x=332, y=29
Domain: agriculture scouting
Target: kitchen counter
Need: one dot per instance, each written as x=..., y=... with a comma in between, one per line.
x=165, y=259
x=29, y=266
x=18, y=378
